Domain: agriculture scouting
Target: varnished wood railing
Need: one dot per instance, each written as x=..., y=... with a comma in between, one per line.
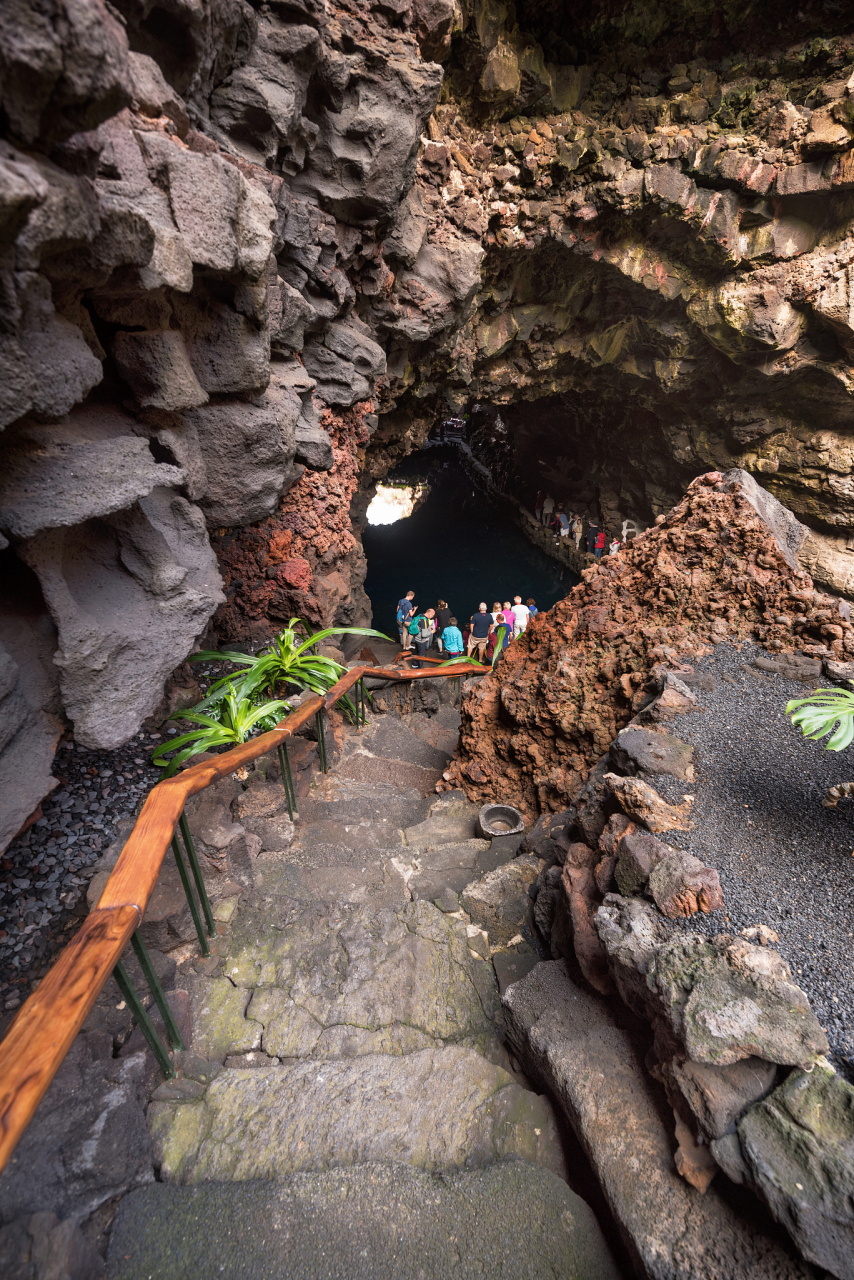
x=45, y=1026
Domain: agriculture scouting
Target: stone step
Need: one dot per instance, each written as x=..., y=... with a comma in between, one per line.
x=450, y=819
x=337, y=798
x=386, y=737
x=363, y=767
x=510, y=1221
x=295, y=970
x=438, y=1109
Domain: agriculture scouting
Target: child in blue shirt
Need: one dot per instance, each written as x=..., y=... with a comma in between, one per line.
x=452, y=639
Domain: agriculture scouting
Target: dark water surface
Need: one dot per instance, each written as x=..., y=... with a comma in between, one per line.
x=461, y=545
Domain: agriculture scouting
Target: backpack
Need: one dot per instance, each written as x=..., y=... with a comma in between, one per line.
x=401, y=615
x=415, y=625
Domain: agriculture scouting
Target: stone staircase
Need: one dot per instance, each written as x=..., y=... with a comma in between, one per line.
x=347, y=1106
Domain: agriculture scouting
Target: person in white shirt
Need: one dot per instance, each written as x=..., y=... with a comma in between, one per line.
x=521, y=613
x=548, y=508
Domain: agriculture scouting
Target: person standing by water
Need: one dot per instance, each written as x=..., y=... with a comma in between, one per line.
x=577, y=529
x=532, y=606
x=548, y=508
x=424, y=632
x=481, y=626
x=405, y=610
x=592, y=535
x=443, y=617
x=614, y=546
x=520, y=613
x=538, y=506
x=601, y=538
x=452, y=639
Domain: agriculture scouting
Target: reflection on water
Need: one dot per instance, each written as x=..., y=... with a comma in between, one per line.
x=460, y=545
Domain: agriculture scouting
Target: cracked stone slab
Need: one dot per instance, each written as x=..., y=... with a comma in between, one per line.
x=338, y=798
x=349, y=965
x=371, y=882
x=437, y=1109
x=518, y=1222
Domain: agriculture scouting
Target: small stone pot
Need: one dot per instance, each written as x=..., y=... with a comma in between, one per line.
x=499, y=820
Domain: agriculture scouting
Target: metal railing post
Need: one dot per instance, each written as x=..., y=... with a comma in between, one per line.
x=321, y=742
x=287, y=780
x=194, y=910
x=197, y=875
x=157, y=991
x=143, y=1021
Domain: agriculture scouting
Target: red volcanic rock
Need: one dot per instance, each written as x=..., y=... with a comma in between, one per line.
x=712, y=570
x=296, y=573
x=296, y=562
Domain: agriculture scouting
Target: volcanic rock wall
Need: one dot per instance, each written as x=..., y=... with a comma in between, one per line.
x=249, y=253
x=721, y=565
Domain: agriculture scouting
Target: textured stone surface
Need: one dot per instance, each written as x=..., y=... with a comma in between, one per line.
x=586, y=668
x=512, y=1221
x=500, y=901
x=274, y=1121
x=798, y=1148
x=130, y=594
x=566, y=1040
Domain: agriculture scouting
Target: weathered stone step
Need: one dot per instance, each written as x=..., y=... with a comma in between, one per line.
x=435, y=1109
x=510, y=1221
x=334, y=798
x=386, y=737
x=295, y=970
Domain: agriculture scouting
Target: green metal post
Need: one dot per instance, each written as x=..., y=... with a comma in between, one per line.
x=144, y=1023
x=157, y=991
x=287, y=781
x=197, y=876
x=191, y=899
x=321, y=742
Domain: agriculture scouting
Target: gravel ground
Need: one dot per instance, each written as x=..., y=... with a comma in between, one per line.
x=45, y=871
x=783, y=860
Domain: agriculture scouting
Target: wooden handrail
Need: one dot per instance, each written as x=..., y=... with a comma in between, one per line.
x=46, y=1024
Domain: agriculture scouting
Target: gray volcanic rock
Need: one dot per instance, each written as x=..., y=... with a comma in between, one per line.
x=130, y=594
x=89, y=466
x=518, y=1222
x=247, y=451
x=566, y=1040
x=798, y=1151
x=270, y=1122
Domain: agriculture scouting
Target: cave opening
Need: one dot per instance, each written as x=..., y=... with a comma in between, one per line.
x=459, y=540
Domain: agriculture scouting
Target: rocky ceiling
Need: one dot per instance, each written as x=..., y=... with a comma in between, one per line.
x=249, y=253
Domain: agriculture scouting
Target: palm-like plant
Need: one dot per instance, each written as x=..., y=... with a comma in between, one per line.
x=822, y=712
x=237, y=718
x=499, y=643
x=288, y=659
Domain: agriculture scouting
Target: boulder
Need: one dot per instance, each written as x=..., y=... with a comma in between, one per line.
x=313, y=444
x=638, y=750
x=681, y=885
x=798, y=1152
x=642, y=802
x=567, y=1041
x=500, y=901
x=639, y=852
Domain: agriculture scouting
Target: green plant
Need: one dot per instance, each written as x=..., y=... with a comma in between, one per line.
x=232, y=721
x=822, y=712
x=288, y=659
x=499, y=644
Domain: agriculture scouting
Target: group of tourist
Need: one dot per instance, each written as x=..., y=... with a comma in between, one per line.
x=482, y=632
x=563, y=525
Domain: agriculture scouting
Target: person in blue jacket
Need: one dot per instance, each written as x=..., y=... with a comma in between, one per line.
x=452, y=639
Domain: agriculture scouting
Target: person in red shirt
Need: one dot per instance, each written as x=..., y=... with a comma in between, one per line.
x=600, y=544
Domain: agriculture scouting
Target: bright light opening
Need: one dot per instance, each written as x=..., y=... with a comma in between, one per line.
x=394, y=502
